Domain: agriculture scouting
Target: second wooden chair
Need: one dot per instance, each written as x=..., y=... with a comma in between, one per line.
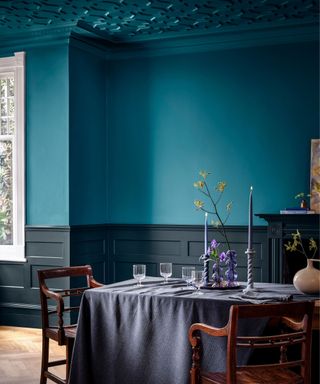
x=297, y=320
x=62, y=303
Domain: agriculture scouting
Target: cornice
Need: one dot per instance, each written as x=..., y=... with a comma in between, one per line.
x=159, y=47
x=214, y=42
x=36, y=38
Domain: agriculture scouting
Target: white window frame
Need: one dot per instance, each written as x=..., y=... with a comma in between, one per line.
x=16, y=65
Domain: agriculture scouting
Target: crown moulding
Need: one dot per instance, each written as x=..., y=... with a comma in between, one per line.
x=87, y=39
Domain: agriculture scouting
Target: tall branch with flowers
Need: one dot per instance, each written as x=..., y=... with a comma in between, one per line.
x=229, y=257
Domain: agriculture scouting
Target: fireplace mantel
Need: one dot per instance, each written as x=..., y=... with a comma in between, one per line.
x=280, y=228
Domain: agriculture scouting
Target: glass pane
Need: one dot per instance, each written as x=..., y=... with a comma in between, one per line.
x=6, y=193
x=3, y=108
x=11, y=127
x=10, y=107
x=3, y=127
x=3, y=88
x=10, y=87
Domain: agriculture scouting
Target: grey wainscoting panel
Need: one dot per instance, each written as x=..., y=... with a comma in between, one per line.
x=181, y=245
x=112, y=250
x=89, y=246
x=19, y=294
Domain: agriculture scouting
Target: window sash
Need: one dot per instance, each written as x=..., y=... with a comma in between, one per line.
x=16, y=65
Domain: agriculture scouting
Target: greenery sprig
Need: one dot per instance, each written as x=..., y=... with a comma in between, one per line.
x=214, y=198
x=297, y=245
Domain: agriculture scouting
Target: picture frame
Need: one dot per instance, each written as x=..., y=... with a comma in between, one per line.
x=315, y=176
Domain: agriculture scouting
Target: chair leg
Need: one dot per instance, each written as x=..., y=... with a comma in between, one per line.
x=69, y=349
x=44, y=359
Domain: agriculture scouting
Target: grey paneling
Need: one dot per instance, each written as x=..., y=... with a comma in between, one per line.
x=45, y=247
x=182, y=245
x=112, y=250
x=12, y=275
x=48, y=242
x=88, y=245
x=146, y=247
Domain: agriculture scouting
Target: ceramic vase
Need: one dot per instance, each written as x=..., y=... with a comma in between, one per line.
x=231, y=273
x=307, y=280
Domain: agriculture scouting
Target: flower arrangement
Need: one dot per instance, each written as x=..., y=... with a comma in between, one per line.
x=227, y=258
x=297, y=246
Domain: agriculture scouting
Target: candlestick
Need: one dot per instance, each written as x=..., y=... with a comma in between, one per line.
x=206, y=271
x=205, y=232
x=250, y=253
x=250, y=220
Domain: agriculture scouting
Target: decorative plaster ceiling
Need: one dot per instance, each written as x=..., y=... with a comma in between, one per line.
x=139, y=20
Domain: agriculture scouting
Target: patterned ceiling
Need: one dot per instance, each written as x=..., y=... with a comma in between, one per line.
x=137, y=20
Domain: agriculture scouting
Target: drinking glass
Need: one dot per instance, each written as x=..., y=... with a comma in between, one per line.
x=165, y=271
x=139, y=273
x=186, y=274
x=197, y=279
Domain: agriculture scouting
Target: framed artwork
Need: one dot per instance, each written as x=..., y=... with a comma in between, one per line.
x=315, y=176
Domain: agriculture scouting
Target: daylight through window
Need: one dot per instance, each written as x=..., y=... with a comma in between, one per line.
x=12, y=216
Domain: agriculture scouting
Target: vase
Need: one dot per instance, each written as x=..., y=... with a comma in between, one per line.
x=307, y=280
x=217, y=274
x=231, y=263
x=229, y=260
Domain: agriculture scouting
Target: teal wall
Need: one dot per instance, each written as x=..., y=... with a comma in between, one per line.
x=247, y=115
x=47, y=136
x=124, y=143
x=88, y=138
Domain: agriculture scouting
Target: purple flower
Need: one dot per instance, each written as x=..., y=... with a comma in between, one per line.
x=214, y=244
x=222, y=256
x=232, y=256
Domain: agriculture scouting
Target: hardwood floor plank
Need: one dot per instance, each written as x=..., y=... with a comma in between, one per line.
x=20, y=355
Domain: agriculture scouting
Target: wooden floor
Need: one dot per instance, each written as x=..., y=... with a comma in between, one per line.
x=20, y=356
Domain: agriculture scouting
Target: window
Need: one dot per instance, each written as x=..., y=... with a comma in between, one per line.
x=12, y=190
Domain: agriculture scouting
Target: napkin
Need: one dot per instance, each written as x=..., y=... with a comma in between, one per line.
x=256, y=297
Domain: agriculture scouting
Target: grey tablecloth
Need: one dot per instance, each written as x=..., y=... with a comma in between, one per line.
x=130, y=335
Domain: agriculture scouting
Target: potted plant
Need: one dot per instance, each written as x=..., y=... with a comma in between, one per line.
x=307, y=280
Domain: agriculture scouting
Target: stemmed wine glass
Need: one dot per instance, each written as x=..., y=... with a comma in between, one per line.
x=139, y=273
x=187, y=274
x=197, y=279
x=165, y=271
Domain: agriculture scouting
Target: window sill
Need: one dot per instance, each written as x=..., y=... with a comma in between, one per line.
x=12, y=253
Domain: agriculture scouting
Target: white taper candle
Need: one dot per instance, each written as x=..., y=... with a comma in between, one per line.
x=205, y=232
x=250, y=220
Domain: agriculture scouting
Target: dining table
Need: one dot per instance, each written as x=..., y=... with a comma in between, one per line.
x=129, y=334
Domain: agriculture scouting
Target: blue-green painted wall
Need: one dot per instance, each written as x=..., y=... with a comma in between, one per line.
x=47, y=136
x=88, y=138
x=247, y=115
x=128, y=151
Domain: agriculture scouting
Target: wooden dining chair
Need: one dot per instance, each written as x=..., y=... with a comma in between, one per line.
x=59, y=308
x=295, y=322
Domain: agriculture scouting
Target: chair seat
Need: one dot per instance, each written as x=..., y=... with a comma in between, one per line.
x=70, y=332
x=255, y=376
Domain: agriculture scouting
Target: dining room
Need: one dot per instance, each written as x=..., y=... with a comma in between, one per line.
x=153, y=133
